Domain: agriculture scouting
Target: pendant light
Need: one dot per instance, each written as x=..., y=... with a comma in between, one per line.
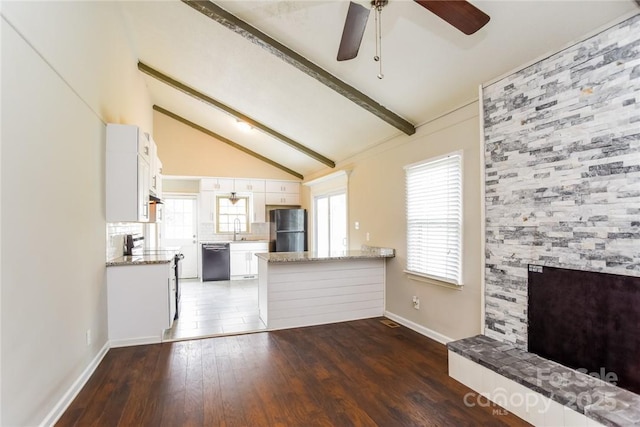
x=233, y=198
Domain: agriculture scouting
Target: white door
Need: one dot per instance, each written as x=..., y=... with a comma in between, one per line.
x=181, y=229
x=331, y=223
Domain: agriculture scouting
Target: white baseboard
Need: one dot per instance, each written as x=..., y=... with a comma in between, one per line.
x=54, y=415
x=442, y=339
x=135, y=341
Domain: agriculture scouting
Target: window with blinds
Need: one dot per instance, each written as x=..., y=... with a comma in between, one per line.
x=434, y=218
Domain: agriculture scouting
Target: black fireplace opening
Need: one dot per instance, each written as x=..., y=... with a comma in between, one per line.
x=588, y=321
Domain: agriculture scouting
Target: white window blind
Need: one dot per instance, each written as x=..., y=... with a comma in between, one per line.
x=434, y=218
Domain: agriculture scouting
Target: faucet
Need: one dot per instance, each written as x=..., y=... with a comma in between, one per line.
x=236, y=228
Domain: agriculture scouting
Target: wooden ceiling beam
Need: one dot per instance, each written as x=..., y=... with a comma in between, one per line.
x=256, y=36
x=226, y=141
x=217, y=104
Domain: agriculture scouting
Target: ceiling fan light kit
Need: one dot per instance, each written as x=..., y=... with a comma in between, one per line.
x=459, y=13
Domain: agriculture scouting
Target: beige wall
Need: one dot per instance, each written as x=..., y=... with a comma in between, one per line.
x=67, y=68
x=377, y=200
x=185, y=151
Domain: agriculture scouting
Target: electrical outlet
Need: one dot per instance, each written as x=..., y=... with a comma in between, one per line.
x=357, y=225
x=88, y=336
x=416, y=302
x=368, y=237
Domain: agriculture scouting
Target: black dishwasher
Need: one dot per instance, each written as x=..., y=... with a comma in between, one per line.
x=215, y=261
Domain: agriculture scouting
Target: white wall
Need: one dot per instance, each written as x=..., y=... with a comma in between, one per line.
x=67, y=68
x=377, y=201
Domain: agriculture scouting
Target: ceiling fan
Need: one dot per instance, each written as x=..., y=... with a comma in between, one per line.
x=460, y=13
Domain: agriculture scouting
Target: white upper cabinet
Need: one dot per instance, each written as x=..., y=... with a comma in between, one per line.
x=249, y=185
x=127, y=174
x=158, y=181
x=155, y=168
x=223, y=185
x=291, y=187
x=282, y=199
x=259, y=202
x=207, y=209
x=282, y=193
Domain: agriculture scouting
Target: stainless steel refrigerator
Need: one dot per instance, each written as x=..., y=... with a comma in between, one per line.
x=288, y=230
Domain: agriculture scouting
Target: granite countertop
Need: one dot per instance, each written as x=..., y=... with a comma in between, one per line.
x=366, y=252
x=148, y=256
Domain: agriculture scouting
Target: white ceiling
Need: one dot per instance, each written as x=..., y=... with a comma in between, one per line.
x=429, y=66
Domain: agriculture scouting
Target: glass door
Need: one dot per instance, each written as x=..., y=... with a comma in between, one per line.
x=180, y=229
x=330, y=223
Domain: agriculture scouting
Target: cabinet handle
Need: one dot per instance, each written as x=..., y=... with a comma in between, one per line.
x=146, y=149
x=154, y=181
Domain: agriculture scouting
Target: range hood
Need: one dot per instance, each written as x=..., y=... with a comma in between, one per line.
x=154, y=199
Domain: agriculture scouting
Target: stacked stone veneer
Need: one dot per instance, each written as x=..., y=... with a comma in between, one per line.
x=562, y=180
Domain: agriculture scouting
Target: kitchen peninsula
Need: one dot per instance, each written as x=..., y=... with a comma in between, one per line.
x=304, y=288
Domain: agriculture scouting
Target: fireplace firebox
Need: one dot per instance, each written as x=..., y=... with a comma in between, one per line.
x=588, y=321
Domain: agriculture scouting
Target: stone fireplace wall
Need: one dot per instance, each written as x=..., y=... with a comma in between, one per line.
x=562, y=176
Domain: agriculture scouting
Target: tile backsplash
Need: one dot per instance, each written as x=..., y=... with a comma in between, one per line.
x=259, y=231
x=115, y=236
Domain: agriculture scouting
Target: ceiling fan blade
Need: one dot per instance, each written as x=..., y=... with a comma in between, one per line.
x=459, y=13
x=353, y=31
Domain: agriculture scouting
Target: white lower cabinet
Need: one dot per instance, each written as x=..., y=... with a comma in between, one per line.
x=141, y=303
x=244, y=263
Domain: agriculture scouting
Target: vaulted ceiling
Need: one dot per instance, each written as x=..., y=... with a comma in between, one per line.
x=202, y=72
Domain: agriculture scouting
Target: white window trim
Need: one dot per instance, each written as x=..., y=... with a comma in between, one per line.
x=249, y=202
x=431, y=279
x=333, y=183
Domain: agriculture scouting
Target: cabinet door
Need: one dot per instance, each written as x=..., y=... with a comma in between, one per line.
x=208, y=184
x=206, y=211
x=144, y=146
x=282, y=187
x=153, y=179
x=225, y=185
x=238, y=265
x=158, y=178
x=253, y=262
x=249, y=185
x=143, y=190
x=282, y=199
x=259, y=207
x=172, y=297
x=127, y=175
x=221, y=185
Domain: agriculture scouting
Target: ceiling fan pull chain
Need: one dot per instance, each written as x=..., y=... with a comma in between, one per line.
x=378, y=16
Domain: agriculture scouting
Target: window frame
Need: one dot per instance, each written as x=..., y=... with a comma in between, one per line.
x=247, y=214
x=456, y=282
x=328, y=195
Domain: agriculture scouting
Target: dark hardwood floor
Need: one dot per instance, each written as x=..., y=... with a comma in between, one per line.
x=359, y=373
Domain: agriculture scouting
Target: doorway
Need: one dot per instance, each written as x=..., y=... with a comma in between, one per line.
x=180, y=228
x=330, y=223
